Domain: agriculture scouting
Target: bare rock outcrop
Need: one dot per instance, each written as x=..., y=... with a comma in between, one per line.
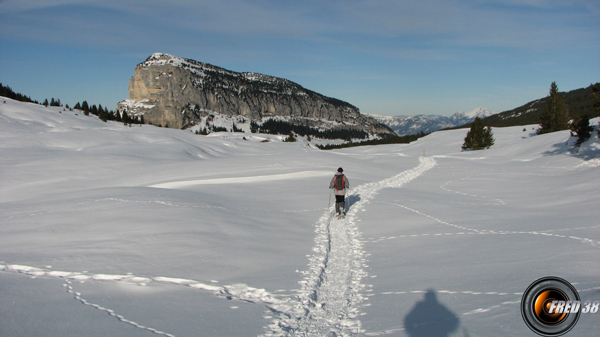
x=175, y=92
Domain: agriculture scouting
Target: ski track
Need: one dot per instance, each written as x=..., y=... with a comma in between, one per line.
x=329, y=300
x=327, y=303
x=331, y=292
x=245, y=293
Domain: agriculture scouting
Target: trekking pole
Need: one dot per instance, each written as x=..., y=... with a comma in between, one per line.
x=330, y=193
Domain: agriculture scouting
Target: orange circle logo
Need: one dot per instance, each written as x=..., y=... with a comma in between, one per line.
x=550, y=306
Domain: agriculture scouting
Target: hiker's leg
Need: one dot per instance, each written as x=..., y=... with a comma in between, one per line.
x=339, y=204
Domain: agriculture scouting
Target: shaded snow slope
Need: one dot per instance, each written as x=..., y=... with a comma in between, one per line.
x=140, y=231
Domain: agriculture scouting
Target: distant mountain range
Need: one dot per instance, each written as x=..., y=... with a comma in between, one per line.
x=411, y=125
x=579, y=101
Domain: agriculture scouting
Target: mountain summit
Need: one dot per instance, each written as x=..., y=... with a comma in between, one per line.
x=462, y=118
x=177, y=92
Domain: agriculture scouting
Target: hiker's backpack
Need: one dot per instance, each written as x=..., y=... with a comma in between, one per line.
x=340, y=182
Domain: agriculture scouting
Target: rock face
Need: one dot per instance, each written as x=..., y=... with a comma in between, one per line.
x=176, y=92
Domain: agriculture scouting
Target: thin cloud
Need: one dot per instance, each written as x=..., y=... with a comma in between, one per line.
x=373, y=48
x=348, y=22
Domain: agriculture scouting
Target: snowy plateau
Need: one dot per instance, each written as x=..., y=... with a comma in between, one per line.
x=112, y=230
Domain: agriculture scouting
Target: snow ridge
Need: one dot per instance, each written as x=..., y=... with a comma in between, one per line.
x=328, y=303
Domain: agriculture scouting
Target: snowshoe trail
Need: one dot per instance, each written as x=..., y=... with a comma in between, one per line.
x=328, y=301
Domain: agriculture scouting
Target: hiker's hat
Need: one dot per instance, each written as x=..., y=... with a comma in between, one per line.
x=340, y=170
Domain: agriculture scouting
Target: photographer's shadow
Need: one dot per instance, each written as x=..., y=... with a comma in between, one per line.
x=430, y=318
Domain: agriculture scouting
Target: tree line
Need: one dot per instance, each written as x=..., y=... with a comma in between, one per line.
x=101, y=112
x=579, y=102
x=382, y=141
x=6, y=91
x=555, y=116
x=108, y=115
x=278, y=127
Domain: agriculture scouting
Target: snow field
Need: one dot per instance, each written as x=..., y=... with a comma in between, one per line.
x=331, y=293
x=475, y=231
x=112, y=230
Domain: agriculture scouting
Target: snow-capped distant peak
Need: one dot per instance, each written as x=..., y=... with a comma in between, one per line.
x=410, y=125
x=461, y=118
x=477, y=112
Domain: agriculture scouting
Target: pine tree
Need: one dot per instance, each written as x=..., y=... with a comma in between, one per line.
x=582, y=129
x=596, y=101
x=488, y=137
x=556, y=115
x=94, y=110
x=55, y=102
x=478, y=137
x=102, y=113
x=236, y=128
x=86, y=108
x=290, y=138
x=596, y=98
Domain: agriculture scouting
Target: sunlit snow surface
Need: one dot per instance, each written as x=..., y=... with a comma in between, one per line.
x=111, y=230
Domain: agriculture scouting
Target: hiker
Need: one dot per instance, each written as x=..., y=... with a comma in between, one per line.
x=339, y=184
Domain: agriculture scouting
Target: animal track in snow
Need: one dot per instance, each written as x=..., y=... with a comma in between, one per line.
x=471, y=231
x=240, y=292
x=480, y=197
x=110, y=312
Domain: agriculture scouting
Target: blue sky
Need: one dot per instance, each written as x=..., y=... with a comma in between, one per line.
x=386, y=57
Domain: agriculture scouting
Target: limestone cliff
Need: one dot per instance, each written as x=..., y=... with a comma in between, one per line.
x=176, y=92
